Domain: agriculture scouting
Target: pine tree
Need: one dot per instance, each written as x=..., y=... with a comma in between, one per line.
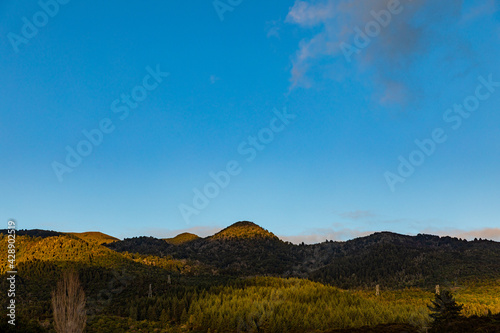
x=133, y=312
x=152, y=313
x=444, y=307
x=184, y=316
x=164, y=316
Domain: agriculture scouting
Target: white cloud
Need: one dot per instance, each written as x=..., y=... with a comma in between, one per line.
x=273, y=29
x=337, y=233
x=314, y=236
x=307, y=14
x=485, y=233
x=357, y=214
x=419, y=27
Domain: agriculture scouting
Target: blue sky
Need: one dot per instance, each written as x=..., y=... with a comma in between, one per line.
x=235, y=70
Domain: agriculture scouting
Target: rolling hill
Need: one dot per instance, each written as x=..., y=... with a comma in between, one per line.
x=243, y=230
x=188, y=275
x=96, y=236
x=181, y=238
x=394, y=260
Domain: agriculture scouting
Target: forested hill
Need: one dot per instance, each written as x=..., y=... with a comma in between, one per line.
x=91, y=236
x=181, y=238
x=95, y=236
x=244, y=230
x=246, y=249
x=382, y=258
x=199, y=283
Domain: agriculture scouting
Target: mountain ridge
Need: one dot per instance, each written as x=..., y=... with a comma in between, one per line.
x=176, y=274
x=245, y=249
x=226, y=234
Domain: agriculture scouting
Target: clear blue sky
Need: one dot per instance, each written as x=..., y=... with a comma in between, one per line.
x=322, y=175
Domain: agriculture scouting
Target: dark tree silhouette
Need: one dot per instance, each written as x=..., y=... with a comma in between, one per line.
x=444, y=307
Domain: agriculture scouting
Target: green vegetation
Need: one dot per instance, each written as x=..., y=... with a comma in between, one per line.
x=479, y=298
x=243, y=229
x=444, y=308
x=391, y=260
x=181, y=238
x=218, y=284
x=98, y=237
x=292, y=305
x=63, y=249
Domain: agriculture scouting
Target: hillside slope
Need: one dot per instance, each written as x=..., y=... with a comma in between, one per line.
x=244, y=230
x=98, y=237
x=386, y=258
x=185, y=237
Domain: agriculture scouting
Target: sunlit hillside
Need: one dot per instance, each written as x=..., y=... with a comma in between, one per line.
x=217, y=284
x=243, y=229
x=96, y=236
x=181, y=238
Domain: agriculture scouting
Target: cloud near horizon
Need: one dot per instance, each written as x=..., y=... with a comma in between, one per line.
x=202, y=231
x=320, y=235
x=357, y=214
x=391, y=56
x=485, y=233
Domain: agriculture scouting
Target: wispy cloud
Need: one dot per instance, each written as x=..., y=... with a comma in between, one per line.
x=314, y=236
x=309, y=14
x=317, y=235
x=484, y=8
x=485, y=233
x=358, y=214
x=202, y=231
x=213, y=79
x=417, y=29
x=374, y=218
x=273, y=29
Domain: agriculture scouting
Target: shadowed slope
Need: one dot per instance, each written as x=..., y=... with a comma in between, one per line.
x=385, y=258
